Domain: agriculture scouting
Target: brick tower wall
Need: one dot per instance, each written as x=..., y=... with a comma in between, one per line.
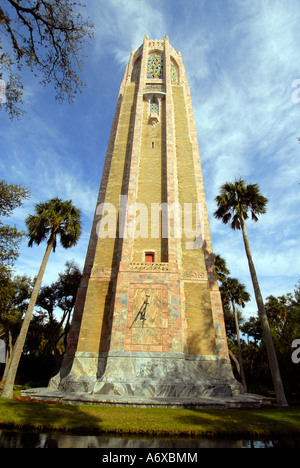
x=152, y=158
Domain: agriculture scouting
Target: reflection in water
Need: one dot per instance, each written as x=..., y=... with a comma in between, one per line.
x=12, y=439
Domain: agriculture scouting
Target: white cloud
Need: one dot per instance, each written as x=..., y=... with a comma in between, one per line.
x=247, y=125
x=120, y=25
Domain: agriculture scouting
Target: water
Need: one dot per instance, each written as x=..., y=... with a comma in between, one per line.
x=26, y=439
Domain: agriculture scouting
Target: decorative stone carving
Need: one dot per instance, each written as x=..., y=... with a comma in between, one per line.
x=155, y=88
x=145, y=266
x=156, y=43
x=193, y=275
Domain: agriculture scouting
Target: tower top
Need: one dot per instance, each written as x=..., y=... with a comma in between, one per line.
x=155, y=62
x=159, y=43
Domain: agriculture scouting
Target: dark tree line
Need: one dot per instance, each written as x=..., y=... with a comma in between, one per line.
x=46, y=338
x=249, y=357
x=49, y=326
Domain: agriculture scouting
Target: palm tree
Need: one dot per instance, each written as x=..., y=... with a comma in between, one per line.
x=220, y=267
x=234, y=292
x=52, y=219
x=235, y=202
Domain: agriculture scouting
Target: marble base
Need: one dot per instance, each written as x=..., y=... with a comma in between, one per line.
x=145, y=379
x=146, y=375
x=246, y=401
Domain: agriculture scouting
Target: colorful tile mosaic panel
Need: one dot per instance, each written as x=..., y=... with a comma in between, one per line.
x=155, y=66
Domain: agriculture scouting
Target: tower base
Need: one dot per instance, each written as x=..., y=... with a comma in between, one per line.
x=147, y=379
x=147, y=374
x=246, y=401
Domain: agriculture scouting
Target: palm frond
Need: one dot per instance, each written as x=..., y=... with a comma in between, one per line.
x=237, y=200
x=54, y=218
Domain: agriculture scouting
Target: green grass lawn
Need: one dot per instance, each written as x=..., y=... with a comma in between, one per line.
x=96, y=419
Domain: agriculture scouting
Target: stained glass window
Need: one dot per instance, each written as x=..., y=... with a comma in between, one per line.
x=155, y=66
x=154, y=107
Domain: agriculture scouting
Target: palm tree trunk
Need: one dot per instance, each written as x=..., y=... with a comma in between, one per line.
x=18, y=348
x=235, y=360
x=8, y=356
x=239, y=347
x=278, y=386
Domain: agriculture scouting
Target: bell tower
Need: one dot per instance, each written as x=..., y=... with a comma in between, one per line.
x=148, y=322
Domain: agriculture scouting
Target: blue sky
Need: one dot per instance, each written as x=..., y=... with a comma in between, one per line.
x=241, y=59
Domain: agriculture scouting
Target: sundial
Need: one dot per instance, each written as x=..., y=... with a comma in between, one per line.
x=142, y=312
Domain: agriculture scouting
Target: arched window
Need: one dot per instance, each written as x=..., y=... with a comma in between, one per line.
x=155, y=66
x=154, y=106
x=174, y=73
x=136, y=71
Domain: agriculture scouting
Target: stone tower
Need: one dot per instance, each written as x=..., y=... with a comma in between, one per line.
x=148, y=322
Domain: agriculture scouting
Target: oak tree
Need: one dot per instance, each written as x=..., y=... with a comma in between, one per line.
x=47, y=37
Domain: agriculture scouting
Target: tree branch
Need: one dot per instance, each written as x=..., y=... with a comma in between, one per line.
x=49, y=37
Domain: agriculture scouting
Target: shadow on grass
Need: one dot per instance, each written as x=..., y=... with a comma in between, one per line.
x=279, y=422
x=47, y=416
